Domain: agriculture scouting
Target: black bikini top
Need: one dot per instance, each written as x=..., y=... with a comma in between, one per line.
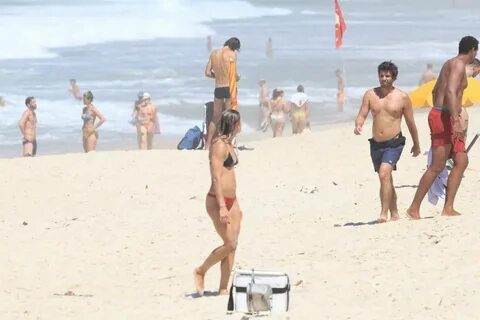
x=229, y=162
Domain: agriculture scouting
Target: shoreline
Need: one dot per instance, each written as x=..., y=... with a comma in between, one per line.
x=161, y=142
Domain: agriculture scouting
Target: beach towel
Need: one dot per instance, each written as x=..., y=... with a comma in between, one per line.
x=439, y=186
x=299, y=99
x=232, y=83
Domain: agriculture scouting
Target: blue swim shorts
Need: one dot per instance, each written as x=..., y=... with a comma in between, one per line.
x=386, y=151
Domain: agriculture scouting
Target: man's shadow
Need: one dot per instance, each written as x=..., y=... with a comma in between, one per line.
x=374, y=222
x=195, y=295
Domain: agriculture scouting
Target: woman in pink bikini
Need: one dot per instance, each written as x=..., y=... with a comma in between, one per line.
x=221, y=202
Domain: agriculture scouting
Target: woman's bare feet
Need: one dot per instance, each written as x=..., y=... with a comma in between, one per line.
x=450, y=213
x=198, y=278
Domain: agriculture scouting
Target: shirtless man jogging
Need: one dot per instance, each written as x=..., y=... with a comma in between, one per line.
x=28, y=128
x=387, y=104
x=445, y=125
x=218, y=68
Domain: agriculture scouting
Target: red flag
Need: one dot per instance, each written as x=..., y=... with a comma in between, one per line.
x=340, y=25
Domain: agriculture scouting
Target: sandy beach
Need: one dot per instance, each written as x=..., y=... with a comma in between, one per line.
x=116, y=234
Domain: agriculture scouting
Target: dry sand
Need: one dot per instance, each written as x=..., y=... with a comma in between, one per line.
x=116, y=235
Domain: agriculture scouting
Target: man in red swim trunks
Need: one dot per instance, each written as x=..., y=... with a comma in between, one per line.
x=445, y=124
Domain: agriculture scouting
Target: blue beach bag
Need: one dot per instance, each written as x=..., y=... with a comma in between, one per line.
x=192, y=139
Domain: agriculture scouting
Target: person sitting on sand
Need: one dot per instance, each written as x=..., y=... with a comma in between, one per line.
x=279, y=107
x=89, y=114
x=300, y=111
x=221, y=202
x=146, y=120
x=388, y=105
x=75, y=90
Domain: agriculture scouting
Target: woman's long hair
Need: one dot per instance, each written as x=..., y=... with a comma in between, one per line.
x=230, y=118
x=276, y=93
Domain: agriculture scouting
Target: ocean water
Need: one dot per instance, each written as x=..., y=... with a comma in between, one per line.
x=116, y=48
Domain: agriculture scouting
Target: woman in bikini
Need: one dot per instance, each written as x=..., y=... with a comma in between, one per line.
x=278, y=108
x=221, y=203
x=89, y=128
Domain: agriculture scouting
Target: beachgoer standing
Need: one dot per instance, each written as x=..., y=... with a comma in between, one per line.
x=146, y=120
x=89, y=129
x=446, y=130
x=75, y=90
x=279, y=108
x=209, y=44
x=28, y=128
x=263, y=100
x=427, y=75
x=221, y=66
x=269, y=48
x=340, y=90
x=388, y=105
x=221, y=202
x=300, y=110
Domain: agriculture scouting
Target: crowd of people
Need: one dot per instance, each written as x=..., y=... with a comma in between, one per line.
x=388, y=106
x=144, y=117
x=274, y=110
x=447, y=120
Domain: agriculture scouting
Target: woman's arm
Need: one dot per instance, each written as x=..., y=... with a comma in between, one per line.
x=100, y=117
x=217, y=156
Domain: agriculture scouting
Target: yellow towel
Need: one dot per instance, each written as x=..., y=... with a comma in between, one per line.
x=232, y=83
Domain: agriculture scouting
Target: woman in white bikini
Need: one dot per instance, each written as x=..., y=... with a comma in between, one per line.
x=221, y=203
x=89, y=128
x=279, y=107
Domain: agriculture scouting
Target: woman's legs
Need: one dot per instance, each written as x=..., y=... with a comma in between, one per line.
x=91, y=142
x=84, y=142
x=273, y=124
x=294, y=125
x=302, y=123
x=142, y=138
x=229, y=234
x=227, y=263
x=279, y=128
